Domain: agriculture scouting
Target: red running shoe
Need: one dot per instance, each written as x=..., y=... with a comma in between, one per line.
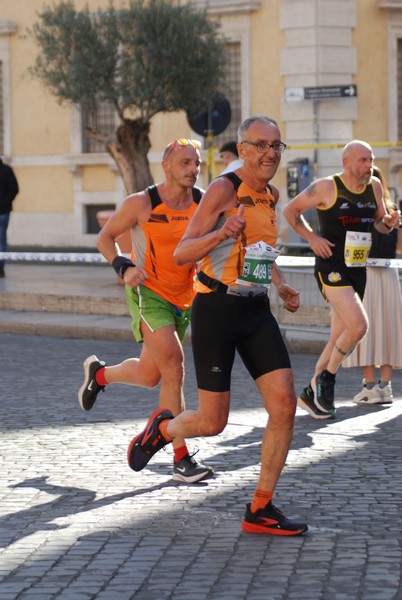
x=271, y=521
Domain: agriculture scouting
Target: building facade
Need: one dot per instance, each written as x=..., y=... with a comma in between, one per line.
x=328, y=70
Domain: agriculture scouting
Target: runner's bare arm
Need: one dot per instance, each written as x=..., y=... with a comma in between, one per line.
x=134, y=209
x=125, y=217
x=319, y=194
x=201, y=236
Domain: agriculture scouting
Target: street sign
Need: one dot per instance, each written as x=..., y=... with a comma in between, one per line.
x=294, y=94
x=330, y=91
x=297, y=94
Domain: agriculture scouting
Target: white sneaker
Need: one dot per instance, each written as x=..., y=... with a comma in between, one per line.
x=385, y=394
x=375, y=395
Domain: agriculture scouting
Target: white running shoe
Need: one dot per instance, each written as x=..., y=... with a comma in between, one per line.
x=375, y=395
x=385, y=393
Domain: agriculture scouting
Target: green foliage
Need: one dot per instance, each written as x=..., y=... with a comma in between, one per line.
x=154, y=56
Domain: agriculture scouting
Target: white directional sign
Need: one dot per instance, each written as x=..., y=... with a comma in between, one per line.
x=294, y=94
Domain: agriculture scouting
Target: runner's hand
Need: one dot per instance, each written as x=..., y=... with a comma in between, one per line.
x=134, y=276
x=290, y=297
x=321, y=246
x=234, y=225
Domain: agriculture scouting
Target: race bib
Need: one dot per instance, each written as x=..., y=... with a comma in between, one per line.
x=357, y=246
x=257, y=265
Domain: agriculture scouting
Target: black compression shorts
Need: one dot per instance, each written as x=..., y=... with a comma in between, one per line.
x=222, y=324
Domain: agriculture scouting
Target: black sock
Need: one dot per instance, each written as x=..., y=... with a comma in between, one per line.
x=327, y=376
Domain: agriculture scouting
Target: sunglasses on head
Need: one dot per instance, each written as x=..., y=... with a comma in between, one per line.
x=182, y=142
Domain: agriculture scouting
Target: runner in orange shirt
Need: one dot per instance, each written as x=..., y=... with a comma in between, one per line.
x=159, y=293
x=232, y=234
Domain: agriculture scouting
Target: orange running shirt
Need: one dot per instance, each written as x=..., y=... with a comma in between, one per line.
x=225, y=262
x=153, y=247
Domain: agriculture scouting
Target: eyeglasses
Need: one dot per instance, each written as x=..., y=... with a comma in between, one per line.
x=182, y=142
x=277, y=147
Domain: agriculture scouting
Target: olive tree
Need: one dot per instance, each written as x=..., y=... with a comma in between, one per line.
x=153, y=56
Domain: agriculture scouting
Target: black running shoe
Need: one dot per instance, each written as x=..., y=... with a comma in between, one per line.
x=271, y=521
x=306, y=401
x=90, y=389
x=324, y=392
x=149, y=441
x=189, y=470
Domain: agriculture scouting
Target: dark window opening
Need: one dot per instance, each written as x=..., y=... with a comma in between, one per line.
x=93, y=225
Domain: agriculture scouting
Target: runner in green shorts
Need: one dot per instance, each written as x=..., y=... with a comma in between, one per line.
x=159, y=293
x=146, y=306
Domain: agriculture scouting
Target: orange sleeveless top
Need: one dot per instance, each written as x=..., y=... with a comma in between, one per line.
x=225, y=262
x=153, y=247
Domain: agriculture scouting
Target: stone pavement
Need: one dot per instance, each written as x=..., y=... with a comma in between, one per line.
x=77, y=524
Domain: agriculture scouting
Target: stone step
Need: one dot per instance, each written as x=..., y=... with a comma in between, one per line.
x=65, y=303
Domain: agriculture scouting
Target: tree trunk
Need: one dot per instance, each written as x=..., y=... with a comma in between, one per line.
x=130, y=154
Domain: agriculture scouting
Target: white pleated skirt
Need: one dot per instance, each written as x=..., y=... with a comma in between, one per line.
x=382, y=345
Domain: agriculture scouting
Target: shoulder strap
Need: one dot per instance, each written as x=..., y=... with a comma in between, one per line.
x=197, y=194
x=237, y=181
x=154, y=195
x=233, y=178
x=156, y=199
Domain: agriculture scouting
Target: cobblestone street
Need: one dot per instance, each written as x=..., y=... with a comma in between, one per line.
x=77, y=523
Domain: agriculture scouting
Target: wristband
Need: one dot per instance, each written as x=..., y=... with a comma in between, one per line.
x=387, y=226
x=120, y=264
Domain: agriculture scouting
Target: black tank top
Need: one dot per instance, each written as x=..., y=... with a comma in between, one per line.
x=350, y=212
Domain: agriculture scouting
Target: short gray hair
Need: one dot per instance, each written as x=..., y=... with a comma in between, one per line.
x=241, y=132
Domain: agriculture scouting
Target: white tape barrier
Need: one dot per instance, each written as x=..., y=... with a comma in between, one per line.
x=54, y=257
x=309, y=261
x=94, y=258
x=385, y=262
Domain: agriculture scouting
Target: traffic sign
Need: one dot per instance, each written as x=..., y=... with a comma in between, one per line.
x=330, y=91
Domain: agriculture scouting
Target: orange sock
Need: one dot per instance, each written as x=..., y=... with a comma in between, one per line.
x=163, y=427
x=260, y=499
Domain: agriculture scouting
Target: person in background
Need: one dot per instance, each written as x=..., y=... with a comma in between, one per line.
x=382, y=345
x=8, y=191
x=159, y=293
x=230, y=157
x=349, y=204
x=236, y=213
